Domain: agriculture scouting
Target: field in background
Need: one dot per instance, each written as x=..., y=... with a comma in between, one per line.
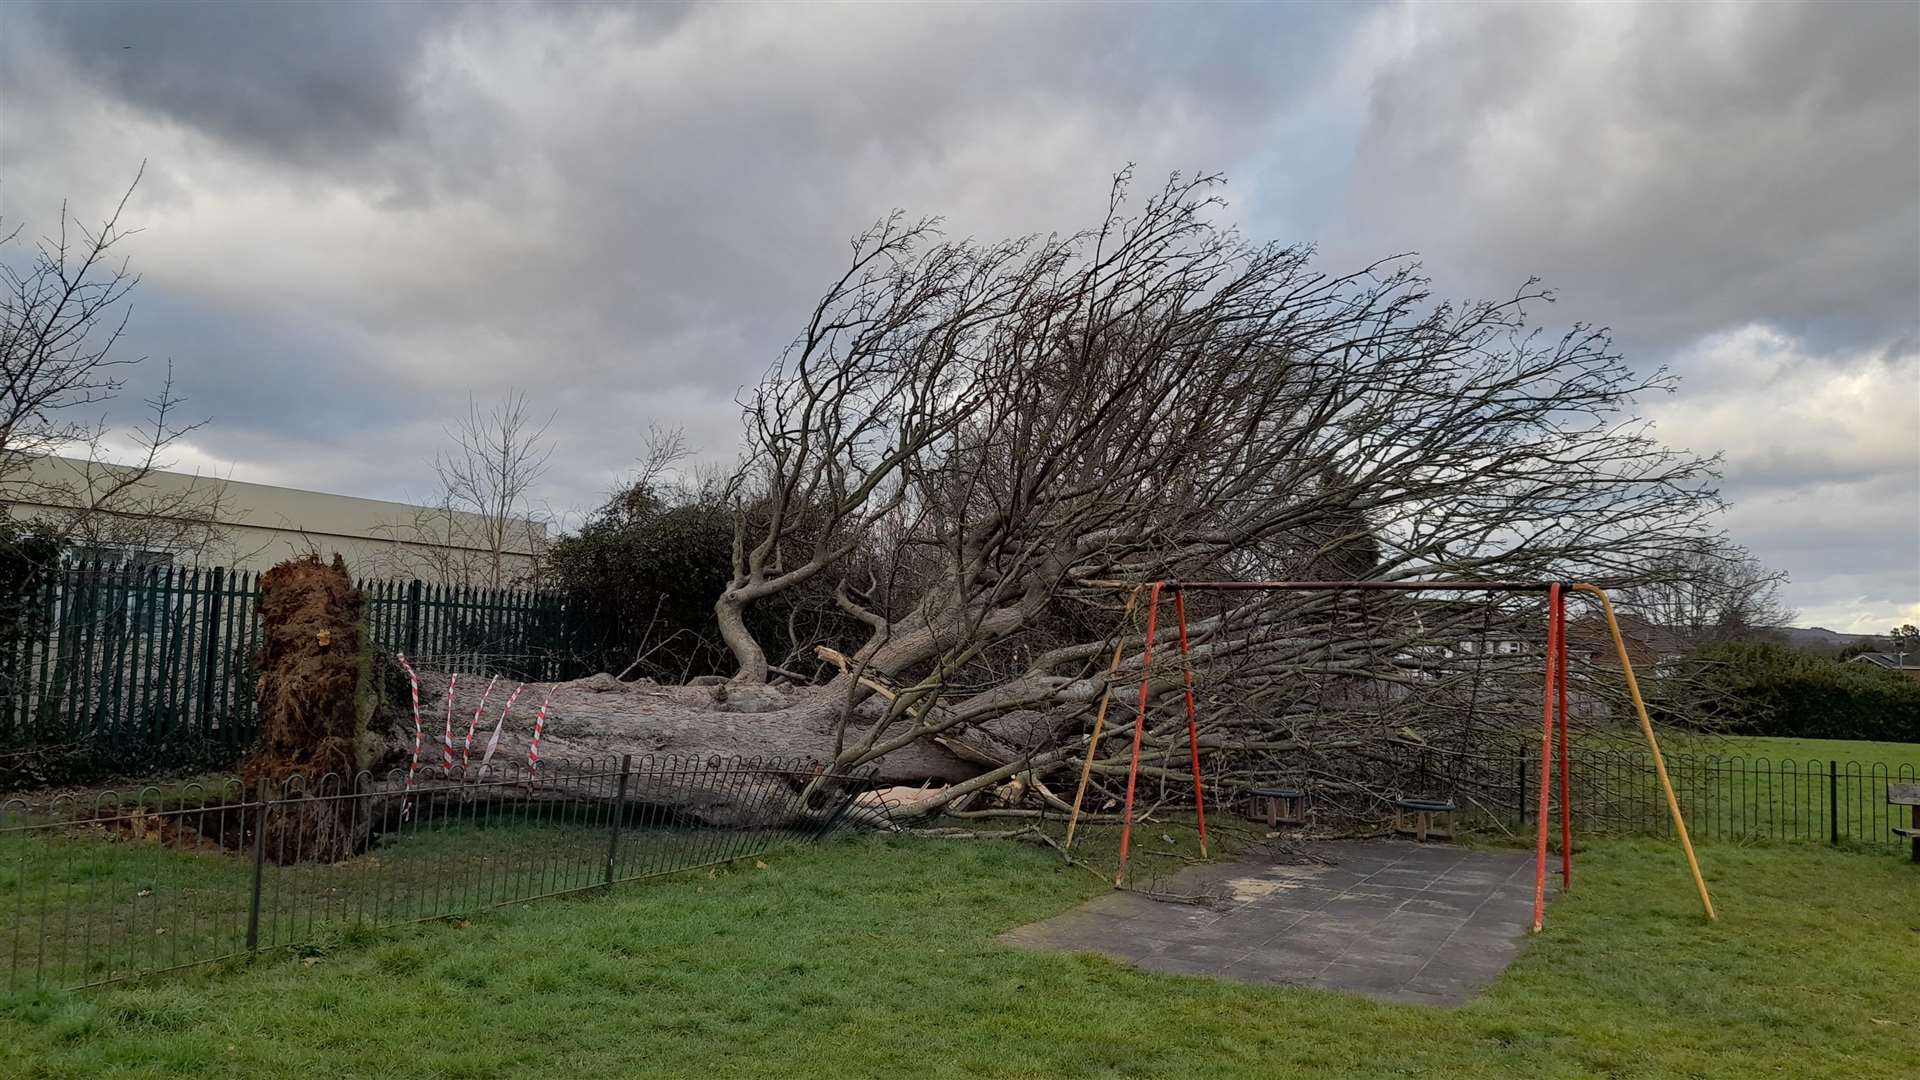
x=1892, y=753
x=1747, y=790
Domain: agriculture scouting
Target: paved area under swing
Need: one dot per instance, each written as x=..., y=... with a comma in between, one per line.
x=1400, y=921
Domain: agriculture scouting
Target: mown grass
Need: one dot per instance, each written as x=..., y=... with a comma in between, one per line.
x=1747, y=789
x=86, y=904
x=1891, y=754
x=875, y=957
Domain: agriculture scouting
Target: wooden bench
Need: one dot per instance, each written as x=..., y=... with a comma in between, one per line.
x=1907, y=795
x=1423, y=818
x=1282, y=805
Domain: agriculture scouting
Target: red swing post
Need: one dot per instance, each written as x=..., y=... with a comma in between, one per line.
x=1545, y=812
x=1140, y=722
x=1193, y=725
x=1558, y=602
x=1139, y=728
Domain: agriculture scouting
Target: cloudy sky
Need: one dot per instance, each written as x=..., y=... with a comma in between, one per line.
x=355, y=216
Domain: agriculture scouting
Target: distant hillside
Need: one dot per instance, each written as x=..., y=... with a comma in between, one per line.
x=1822, y=639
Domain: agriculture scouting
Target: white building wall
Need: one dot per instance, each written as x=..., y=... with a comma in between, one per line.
x=255, y=526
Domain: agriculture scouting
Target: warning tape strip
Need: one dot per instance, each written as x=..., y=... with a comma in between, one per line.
x=494, y=742
x=446, y=732
x=539, y=725
x=413, y=686
x=467, y=749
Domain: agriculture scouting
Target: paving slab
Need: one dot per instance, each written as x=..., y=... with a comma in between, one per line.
x=1427, y=924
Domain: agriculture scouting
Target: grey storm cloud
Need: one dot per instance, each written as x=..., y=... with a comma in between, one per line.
x=627, y=208
x=1670, y=170
x=619, y=192
x=293, y=81
x=358, y=215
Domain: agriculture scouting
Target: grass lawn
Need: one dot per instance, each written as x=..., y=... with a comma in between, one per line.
x=81, y=905
x=1892, y=754
x=1736, y=788
x=874, y=956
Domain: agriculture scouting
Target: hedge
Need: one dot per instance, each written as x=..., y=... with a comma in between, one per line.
x=1761, y=688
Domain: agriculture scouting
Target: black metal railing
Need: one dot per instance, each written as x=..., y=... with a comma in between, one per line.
x=1616, y=791
x=110, y=886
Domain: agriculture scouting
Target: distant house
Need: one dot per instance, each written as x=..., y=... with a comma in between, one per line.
x=1905, y=663
x=1473, y=630
x=1648, y=645
x=169, y=517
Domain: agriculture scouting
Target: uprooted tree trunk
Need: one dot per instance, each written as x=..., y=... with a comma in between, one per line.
x=707, y=730
x=1365, y=700
x=601, y=717
x=312, y=703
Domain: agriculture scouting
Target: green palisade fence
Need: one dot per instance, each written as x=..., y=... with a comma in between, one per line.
x=132, y=658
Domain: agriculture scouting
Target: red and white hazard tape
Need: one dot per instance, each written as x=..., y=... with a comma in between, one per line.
x=446, y=732
x=467, y=750
x=539, y=725
x=494, y=743
x=413, y=686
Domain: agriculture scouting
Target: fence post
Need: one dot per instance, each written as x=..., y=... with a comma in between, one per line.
x=619, y=811
x=259, y=864
x=853, y=796
x=413, y=617
x=210, y=648
x=1833, y=802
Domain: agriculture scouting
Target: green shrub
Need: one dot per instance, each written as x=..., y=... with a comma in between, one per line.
x=1767, y=689
x=642, y=576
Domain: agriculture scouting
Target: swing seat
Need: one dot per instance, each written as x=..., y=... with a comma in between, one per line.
x=1424, y=818
x=1281, y=806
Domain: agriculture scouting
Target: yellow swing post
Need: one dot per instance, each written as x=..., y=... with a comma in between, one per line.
x=1653, y=743
x=1100, y=717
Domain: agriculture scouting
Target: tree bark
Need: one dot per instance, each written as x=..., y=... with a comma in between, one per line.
x=598, y=717
x=729, y=611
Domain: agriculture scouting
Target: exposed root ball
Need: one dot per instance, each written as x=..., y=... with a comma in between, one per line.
x=309, y=704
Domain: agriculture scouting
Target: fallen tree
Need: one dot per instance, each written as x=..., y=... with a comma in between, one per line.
x=965, y=435
x=601, y=717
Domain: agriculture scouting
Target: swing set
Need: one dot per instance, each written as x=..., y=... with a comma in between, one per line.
x=1553, y=733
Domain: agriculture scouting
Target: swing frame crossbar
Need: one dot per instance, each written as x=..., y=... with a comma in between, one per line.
x=1553, y=733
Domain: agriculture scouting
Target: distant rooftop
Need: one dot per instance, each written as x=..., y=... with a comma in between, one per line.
x=1892, y=661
